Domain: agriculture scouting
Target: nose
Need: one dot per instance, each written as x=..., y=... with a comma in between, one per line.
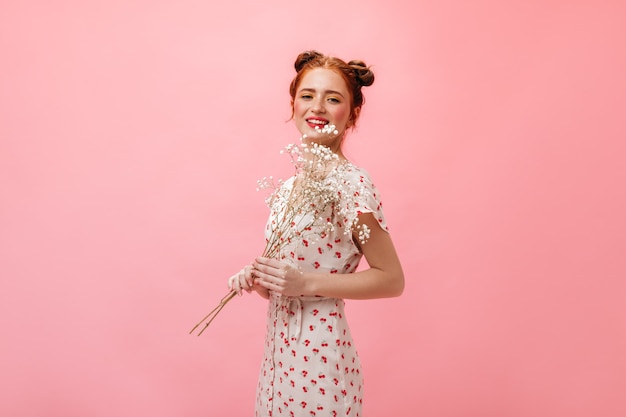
x=318, y=106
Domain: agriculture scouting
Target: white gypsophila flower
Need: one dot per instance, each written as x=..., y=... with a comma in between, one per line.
x=323, y=195
x=327, y=129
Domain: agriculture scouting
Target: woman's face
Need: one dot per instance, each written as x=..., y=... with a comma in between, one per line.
x=322, y=98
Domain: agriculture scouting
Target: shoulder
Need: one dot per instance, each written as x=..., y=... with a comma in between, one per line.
x=355, y=172
x=359, y=176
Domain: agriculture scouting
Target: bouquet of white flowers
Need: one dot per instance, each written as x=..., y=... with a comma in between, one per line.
x=319, y=197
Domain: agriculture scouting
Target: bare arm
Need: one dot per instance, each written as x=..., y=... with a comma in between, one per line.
x=384, y=278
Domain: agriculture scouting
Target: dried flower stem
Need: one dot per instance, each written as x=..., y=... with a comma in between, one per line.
x=214, y=312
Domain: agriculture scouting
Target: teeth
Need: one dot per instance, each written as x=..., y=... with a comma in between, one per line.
x=317, y=122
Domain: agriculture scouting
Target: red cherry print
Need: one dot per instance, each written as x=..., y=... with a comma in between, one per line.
x=322, y=391
x=303, y=404
x=330, y=246
x=291, y=369
x=293, y=384
x=307, y=342
x=315, y=312
x=325, y=344
x=344, y=392
x=293, y=353
x=332, y=314
x=306, y=358
x=333, y=271
x=323, y=319
x=335, y=381
x=336, y=399
x=337, y=240
x=319, y=407
x=305, y=242
x=305, y=373
x=311, y=327
x=330, y=329
x=320, y=250
x=334, y=412
x=321, y=376
x=316, y=264
x=324, y=359
x=314, y=382
x=338, y=255
x=305, y=389
x=316, y=350
x=301, y=258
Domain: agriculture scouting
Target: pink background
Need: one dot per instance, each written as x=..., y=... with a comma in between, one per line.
x=132, y=134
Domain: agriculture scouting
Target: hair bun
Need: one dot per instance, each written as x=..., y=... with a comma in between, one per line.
x=363, y=74
x=305, y=57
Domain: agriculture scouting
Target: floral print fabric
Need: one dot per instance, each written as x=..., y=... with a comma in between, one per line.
x=310, y=365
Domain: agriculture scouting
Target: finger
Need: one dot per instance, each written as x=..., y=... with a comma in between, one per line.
x=268, y=262
x=243, y=283
x=237, y=284
x=269, y=285
x=247, y=275
x=267, y=269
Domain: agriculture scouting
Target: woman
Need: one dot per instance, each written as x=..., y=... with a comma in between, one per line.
x=310, y=365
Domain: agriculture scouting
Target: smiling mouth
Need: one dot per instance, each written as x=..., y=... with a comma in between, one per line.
x=317, y=122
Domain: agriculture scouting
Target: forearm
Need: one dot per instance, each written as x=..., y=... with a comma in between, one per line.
x=366, y=284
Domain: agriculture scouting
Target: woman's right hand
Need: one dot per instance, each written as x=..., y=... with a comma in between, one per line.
x=244, y=280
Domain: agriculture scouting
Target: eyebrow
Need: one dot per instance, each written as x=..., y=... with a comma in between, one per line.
x=312, y=90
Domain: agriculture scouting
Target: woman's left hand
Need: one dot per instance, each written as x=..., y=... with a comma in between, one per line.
x=278, y=276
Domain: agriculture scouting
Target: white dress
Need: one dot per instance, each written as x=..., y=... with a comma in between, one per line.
x=310, y=365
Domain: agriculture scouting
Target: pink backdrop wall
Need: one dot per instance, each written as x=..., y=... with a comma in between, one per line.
x=132, y=134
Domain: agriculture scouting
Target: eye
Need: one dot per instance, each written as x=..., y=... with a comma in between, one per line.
x=306, y=96
x=334, y=100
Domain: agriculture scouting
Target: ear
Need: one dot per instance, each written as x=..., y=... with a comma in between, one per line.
x=354, y=117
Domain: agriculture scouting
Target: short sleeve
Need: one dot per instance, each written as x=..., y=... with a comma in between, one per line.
x=368, y=198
